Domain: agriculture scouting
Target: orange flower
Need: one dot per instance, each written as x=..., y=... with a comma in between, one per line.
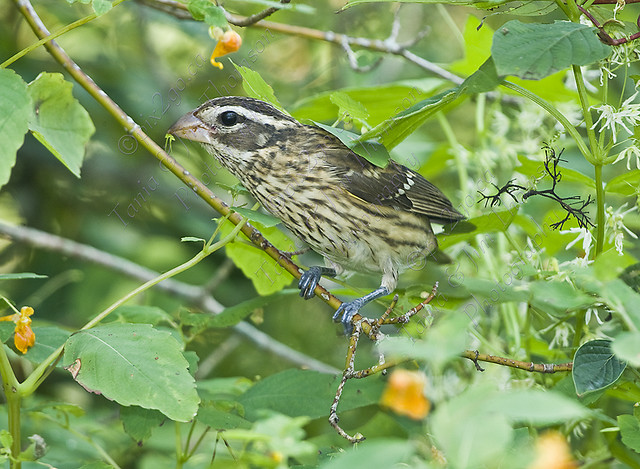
x=552, y=452
x=228, y=41
x=404, y=394
x=24, y=337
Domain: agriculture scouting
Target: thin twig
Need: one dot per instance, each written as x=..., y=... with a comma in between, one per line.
x=249, y=20
x=476, y=357
x=194, y=295
x=168, y=161
x=390, y=47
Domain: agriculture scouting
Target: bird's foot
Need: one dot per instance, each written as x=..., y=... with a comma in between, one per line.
x=349, y=309
x=310, y=278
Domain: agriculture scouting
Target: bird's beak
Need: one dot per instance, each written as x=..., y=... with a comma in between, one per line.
x=192, y=128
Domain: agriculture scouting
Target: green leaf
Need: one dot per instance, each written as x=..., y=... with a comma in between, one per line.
x=205, y=10
x=536, y=169
x=99, y=6
x=21, y=276
x=378, y=453
x=395, y=129
x=630, y=431
x=133, y=364
x=59, y=122
x=234, y=314
x=7, y=329
x=595, y=367
x=256, y=87
x=498, y=220
x=558, y=297
x=141, y=314
x=370, y=150
x=349, y=108
x=381, y=102
x=220, y=419
x=254, y=216
x=483, y=80
x=307, y=393
x=15, y=113
x=138, y=422
x=625, y=347
x=48, y=339
x=266, y=275
x=488, y=4
x=535, y=407
x=625, y=184
x=536, y=50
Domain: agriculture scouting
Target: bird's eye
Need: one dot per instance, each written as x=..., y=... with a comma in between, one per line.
x=229, y=118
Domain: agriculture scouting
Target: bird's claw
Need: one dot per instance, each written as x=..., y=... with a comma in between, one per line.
x=309, y=281
x=346, y=312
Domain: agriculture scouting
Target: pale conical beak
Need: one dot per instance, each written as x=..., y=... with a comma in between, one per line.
x=192, y=128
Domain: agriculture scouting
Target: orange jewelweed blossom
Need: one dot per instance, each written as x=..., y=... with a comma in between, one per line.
x=552, y=452
x=228, y=41
x=404, y=394
x=24, y=337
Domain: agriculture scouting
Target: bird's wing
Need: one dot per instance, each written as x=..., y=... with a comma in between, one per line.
x=392, y=186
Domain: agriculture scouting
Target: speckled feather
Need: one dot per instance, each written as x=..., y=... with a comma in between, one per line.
x=359, y=216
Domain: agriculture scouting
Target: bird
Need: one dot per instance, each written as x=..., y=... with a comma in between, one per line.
x=358, y=216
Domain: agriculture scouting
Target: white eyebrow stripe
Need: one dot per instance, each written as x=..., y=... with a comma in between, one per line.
x=275, y=121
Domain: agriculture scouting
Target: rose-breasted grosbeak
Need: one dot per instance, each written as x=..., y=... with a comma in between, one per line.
x=358, y=216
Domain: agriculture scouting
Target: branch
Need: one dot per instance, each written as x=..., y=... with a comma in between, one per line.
x=179, y=10
x=168, y=161
x=249, y=20
x=197, y=296
x=475, y=357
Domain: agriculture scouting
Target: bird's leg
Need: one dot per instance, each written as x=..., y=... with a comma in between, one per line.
x=350, y=308
x=310, y=278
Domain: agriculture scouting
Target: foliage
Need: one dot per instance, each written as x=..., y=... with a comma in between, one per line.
x=529, y=123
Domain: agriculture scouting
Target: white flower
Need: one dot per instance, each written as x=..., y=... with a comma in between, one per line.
x=593, y=310
x=614, y=226
x=630, y=152
x=584, y=235
x=627, y=115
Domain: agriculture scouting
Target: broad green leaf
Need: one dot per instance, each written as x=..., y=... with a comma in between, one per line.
x=204, y=10
x=234, y=314
x=371, y=151
x=254, y=216
x=59, y=122
x=477, y=46
x=256, y=87
x=20, y=276
x=595, y=367
x=307, y=393
x=395, y=129
x=6, y=330
x=468, y=433
x=141, y=314
x=381, y=102
x=487, y=4
x=15, y=113
x=222, y=388
x=558, y=297
x=630, y=431
x=99, y=6
x=220, y=419
x=625, y=347
x=266, y=275
x=139, y=422
x=48, y=339
x=483, y=80
x=626, y=184
x=349, y=108
x=536, y=407
x=133, y=364
x=379, y=453
x=443, y=341
x=536, y=50
x=497, y=220
x=536, y=169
